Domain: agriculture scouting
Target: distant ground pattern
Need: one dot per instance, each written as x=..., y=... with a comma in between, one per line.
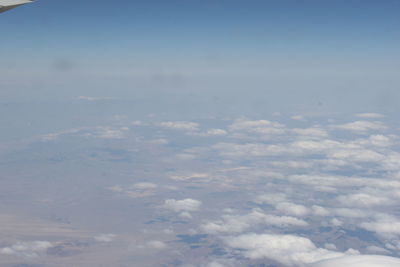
x=274, y=190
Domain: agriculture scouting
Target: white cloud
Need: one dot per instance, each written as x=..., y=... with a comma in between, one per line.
x=180, y=125
x=109, y=133
x=105, y=238
x=213, y=132
x=137, y=123
x=214, y=264
x=263, y=127
x=272, y=198
x=156, y=244
x=320, y=211
x=27, y=249
x=359, y=261
x=377, y=250
x=185, y=215
x=187, y=204
x=54, y=136
x=314, y=132
x=336, y=222
x=370, y=115
x=103, y=132
x=292, y=209
x=287, y=249
x=362, y=126
x=138, y=190
x=297, y=117
x=383, y=224
x=357, y=155
x=330, y=246
x=378, y=140
x=350, y=213
x=240, y=223
x=182, y=177
x=144, y=186
x=221, y=263
x=364, y=200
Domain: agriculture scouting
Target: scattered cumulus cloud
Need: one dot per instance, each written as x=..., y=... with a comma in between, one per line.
x=383, y=224
x=362, y=126
x=297, y=117
x=292, y=209
x=145, y=185
x=105, y=238
x=230, y=223
x=184, y=205
x=370, y=115
x=137, y=190
x=180, y=125
x=263, y=127
x=359, y=261
x=102, y=132
x=27, y=249
x=156, y=244
x=290, y=250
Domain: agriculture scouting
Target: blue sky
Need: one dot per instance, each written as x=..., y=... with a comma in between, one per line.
x=305, y=46
x=239, y=29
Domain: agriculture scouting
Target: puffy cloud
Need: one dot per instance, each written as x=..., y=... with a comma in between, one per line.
x=102, y=132
x=357, y=155
x=383, y=224
x=105, y=238
x=185, y=215
x=145, y=185
x=239, y=223
x=336, y=222
x=297, y=117
x=264, y=127
x=27, y=249
x=214, y=132
x=370, y=115
x=272, y=198
x=377, y=250
x=156, y=244
x=342, y=181
x=359, y=261
x=192, y=128
x=351, y=213
x=137, y=190
x=320, y=211
x=188, y=176
x=108, y=133
x=314, y=132
x=362, y=126
x=180, y=125
x=377, y=140
x=290, y=250
x=187, y=204
x=292, y=209
x=242, y=150
x=221, y=263
x=364, y=200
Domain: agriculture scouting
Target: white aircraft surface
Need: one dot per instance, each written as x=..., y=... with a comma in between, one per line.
x=9, y=4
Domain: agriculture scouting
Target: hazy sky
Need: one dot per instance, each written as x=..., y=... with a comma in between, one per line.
x=305, y=46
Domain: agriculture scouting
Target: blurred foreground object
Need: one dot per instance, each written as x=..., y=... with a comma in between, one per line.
x=9, y=4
